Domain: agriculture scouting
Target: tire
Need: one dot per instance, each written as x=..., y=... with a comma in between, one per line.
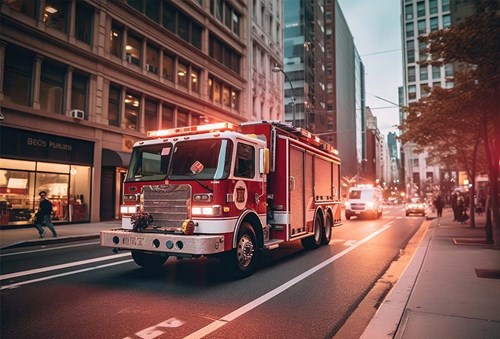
x=149, y=260
x=244, y=260
x=327, y=230
x=348, y=216
x=407, y=214
x=313, y=242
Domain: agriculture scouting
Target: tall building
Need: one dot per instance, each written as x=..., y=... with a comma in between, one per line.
x=82, y=80
x=393, y=158
x=419, y=18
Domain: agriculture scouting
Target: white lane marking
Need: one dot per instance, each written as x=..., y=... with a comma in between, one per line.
x=251, y=305
x=64, y=274
x=49, y=249
x=58, y=267
x=156, y=330
x=350, y=242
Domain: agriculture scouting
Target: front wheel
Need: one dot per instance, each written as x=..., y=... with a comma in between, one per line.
x=149, y=260
x=244, y=260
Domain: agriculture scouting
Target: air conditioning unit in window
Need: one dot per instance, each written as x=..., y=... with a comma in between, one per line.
x=77, y=114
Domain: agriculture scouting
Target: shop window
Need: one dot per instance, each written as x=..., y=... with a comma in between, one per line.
x=80, y=183
x=167, y=117
x=114, y=106
x=133, y=49
x=52, y=87
x=56, y=186
x=17, y=205
x=182, y=74
x=168, y=66
x=116, y=37
x=18, y=75
x=132, y=111
x=26, y=7
x=195, y=80
x=79, y=92
x=56, y=14
x=151, y=115
x=84, y=19
x=152, y=59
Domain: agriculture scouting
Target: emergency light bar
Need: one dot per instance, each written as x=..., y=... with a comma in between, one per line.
x=217, y=127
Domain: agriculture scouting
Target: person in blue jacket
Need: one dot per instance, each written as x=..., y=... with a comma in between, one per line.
x=43, y=215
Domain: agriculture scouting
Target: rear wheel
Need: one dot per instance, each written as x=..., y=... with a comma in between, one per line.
x=149, y=260
x=245, y=258
x=313, y=242
x=327, y=231
x=347, y=216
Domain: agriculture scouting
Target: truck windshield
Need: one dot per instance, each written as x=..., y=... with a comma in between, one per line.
x=201, y=159
x=149, y=163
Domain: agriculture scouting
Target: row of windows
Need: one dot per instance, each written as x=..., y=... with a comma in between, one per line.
x=425, y=89
x=226, y=14
x=422, y=26
x=424, y=72
x=56, y=15
x=424, y=8
x=56, y=79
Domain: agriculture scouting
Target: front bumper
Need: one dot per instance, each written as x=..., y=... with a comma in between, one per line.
x=173, y=244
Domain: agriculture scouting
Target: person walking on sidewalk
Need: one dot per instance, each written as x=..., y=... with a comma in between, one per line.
x=439, y=205
x=43, y=215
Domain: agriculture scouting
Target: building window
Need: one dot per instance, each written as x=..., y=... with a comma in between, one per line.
x=152, y=59
x=115, y=37
x=420, y=9
x=133, y=49
x=412, y=92
x=410, y=51
x=446, y=21
x=17, y=81
x=409, y=12
x=182, y=74
x=448, y=70
x=169, y=17
x=114, y=106
x=445, y=5
x=182, y=118
x=153, y=11
x=434, y=24
x=55, y=14
x=424, y=90
x=84, y=19
x=224, y=54
x=448, y=84
x=424, y=74
x=226, y=14
x=79, y=92
x=52, y=87
x=433, y=6
x=436, y=72
x=150, y=115
x=421, y=27
x=167, y=117
x=409, y=30
x=132, y=111
x=195, y=80
x=26, y=7
x=436, y=84
x=235, y=97
x=181, y=24
x=411, y=74
x=225, y=96
x=168, y=66
x=422, y=51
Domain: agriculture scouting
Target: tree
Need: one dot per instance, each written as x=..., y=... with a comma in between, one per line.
x=463, y=123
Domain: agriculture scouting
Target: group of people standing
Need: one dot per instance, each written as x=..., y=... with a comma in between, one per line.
x=458, y=204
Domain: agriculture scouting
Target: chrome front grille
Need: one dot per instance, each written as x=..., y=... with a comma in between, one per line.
x=357, y=206
x=169, y=205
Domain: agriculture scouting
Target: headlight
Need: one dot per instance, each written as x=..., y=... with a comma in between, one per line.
x=128, y=209
x=421, y=206
x=369, y=204
x=207, y=211
x=347, y=205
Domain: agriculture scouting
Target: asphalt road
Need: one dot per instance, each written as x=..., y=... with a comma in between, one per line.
x=80, y=290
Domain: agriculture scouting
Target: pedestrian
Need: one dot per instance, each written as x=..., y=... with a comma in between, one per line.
x=454, y=198
x=461, y=209
x=43, y=215
x=439, y=205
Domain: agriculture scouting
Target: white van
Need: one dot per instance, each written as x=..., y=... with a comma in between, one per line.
x=364, y=201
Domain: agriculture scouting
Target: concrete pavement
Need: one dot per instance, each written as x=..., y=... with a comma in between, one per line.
x=450, y=288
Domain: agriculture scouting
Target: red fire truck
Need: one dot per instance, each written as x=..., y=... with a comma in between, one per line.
x=228, y=191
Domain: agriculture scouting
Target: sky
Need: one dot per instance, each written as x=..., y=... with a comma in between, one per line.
x=376, y=28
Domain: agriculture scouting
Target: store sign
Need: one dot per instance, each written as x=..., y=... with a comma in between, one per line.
x=27, y=145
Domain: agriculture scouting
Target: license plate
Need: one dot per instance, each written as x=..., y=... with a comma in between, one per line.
x=133, y=241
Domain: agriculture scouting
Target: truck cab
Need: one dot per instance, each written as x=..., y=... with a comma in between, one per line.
x=364, y=201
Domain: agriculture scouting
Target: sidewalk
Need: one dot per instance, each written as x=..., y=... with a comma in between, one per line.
x=28, y=236
x=450, y=289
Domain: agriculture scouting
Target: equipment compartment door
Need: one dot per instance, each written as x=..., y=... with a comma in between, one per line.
x=296, y=186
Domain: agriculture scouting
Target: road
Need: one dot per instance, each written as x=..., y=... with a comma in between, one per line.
x=80, y=290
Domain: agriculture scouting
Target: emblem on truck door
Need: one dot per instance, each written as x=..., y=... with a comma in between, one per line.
x=241, y=194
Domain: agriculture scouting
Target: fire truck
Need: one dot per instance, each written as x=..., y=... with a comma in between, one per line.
x=228, y=191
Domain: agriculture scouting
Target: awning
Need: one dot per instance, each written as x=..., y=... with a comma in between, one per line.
x=115, y=158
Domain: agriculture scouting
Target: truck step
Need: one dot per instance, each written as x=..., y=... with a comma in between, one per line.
x=272, y=244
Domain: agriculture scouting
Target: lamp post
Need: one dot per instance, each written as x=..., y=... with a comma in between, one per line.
x=277, y=69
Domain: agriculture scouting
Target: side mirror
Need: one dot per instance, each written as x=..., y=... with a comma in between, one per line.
x=264, y=160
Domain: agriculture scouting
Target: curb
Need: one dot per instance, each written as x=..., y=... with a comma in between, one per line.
x=47, y=241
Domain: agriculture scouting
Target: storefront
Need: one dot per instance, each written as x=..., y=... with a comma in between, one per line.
x=31, y=162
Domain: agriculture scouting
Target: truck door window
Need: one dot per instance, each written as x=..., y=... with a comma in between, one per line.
x=245, y=161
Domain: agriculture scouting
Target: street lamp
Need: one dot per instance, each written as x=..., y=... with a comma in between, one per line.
x=277, y=69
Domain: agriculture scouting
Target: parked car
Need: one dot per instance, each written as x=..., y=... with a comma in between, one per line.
x=415, y=205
